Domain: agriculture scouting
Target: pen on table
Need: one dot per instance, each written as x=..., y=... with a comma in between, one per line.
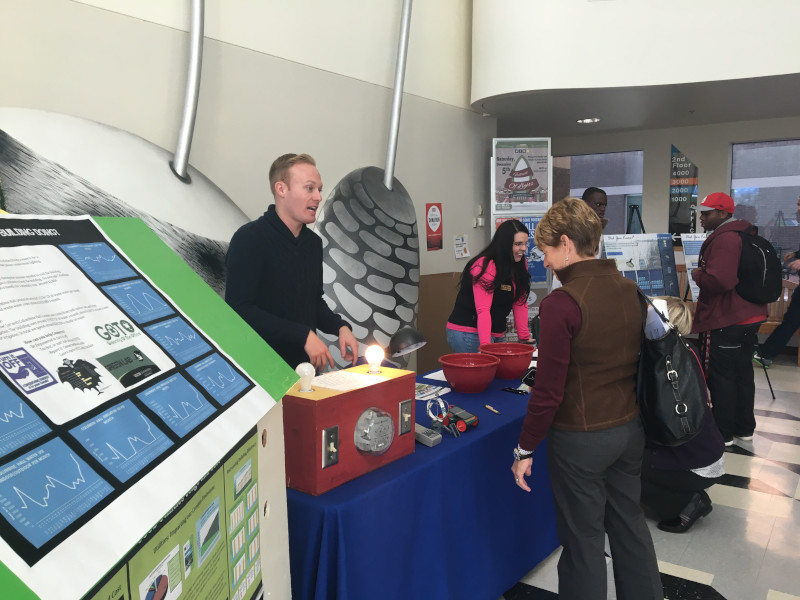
x=492, y=408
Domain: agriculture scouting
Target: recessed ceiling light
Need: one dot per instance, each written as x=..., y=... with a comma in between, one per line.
x=588, y=120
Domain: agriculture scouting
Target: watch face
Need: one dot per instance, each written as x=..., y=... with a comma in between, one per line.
x=374, y=432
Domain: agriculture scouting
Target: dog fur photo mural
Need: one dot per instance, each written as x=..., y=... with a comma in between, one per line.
x=34, y=184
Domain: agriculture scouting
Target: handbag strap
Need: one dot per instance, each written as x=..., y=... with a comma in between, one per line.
x=666, y=321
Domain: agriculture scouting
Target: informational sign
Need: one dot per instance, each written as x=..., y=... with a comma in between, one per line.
x=646, y=258
x=533, y=256
x=434, y=226
x=461, y=246
x=114, y=405
x=692, y=242
x=682, y=195
x=520, y=176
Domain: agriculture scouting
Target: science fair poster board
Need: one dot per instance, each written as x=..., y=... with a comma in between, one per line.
x=692, y=242
x=646, y=258
x=521, y=176
x=123, y=385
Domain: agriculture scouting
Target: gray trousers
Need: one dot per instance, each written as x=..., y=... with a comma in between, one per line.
x=596, y=486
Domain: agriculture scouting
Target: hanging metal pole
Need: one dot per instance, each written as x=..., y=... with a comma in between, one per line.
x=397, y=100
x=180, y=162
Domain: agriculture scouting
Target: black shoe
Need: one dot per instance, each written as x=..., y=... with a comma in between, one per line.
x=699, y=506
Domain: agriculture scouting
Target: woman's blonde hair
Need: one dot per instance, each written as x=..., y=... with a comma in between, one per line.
x=678, y=313
x=575, y=219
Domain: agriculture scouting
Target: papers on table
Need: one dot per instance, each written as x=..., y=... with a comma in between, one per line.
x=345, y=381
x=426, y=391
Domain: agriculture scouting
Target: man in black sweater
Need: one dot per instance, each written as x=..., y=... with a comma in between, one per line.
x=274, y=270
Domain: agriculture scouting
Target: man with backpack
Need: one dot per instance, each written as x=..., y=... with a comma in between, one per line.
x=728, y=323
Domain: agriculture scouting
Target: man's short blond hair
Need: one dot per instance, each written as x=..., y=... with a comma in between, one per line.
x=279, y=171
x=575, y=219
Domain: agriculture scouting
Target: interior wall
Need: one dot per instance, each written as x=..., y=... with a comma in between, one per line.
x=355, y=38
x=73, y=58
x=708, y=146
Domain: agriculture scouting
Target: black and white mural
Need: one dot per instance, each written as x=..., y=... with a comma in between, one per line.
x=54, y=164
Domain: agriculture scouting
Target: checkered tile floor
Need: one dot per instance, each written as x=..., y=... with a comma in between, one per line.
x=748, y=548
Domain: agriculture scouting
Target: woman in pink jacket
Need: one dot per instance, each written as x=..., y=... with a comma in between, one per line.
x=493, y=284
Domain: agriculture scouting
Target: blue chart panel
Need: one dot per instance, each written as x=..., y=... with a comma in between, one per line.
x=98, y=261
x=46, y=490
x=18, y=423
x=139, y=300
x=122, y=439
x=218, y=378
x=179, y=339
x=178, y=403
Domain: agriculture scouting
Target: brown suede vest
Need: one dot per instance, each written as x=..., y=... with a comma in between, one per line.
x=600, y=391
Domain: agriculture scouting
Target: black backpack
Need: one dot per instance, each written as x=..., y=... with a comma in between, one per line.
x=760, y=274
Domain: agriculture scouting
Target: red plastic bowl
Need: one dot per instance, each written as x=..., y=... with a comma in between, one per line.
x=469, y=372
x=514, y=358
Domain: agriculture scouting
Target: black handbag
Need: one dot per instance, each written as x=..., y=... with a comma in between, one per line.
x=670, y=387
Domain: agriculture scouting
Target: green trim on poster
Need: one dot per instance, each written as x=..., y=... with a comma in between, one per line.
x=12, y=587
x=201, y=303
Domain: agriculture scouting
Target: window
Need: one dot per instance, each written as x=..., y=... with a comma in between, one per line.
x=765, y=184
x=619, y=174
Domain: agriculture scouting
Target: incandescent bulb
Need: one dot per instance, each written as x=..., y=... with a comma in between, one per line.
x=306, y=372
x=374, y=356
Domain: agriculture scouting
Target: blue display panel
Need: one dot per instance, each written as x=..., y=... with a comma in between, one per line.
x=98, y=261
x=139, y=300
x=48, y=489
x=19, y=424
x=122, y=439
x=179, y=339
x=178, y=403
x=218, y=378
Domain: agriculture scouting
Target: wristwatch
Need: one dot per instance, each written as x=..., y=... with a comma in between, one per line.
x=520, y=454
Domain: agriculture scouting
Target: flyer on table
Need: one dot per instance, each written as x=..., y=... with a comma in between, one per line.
x=113, y=403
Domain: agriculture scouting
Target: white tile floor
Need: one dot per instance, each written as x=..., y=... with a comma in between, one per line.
x=748, y=548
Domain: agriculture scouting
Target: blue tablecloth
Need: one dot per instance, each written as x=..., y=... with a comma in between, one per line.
x=443, y=522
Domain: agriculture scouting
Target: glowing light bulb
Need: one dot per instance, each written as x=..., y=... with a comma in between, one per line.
x=306, y=372
x=374, y=356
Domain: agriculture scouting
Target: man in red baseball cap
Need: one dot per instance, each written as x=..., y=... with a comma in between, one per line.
x=727, y=323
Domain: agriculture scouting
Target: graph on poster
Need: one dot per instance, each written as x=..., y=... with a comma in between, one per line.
x=180, y=340
x=47, y=490
x=139, y=300
x=98, y=261
x=179, y=404
x=218, y=378
x=123, y=439
x=19, y=424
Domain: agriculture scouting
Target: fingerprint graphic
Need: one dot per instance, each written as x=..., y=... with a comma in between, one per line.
x=370, y=258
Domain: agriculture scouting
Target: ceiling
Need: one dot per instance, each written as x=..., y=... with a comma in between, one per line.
x=552, y=113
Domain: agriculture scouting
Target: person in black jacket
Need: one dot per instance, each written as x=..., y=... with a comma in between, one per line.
x=675, y=479
x=274, y=270
x=791, y=318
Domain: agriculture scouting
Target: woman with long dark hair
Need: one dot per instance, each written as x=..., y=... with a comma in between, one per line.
x=493, y=284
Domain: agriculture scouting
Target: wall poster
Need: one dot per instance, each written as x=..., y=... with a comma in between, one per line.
x=682, y=195
x=434, y=226
x=113, y=404
x=520, y=174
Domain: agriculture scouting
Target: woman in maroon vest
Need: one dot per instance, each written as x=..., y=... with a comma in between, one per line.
x=584, y=401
